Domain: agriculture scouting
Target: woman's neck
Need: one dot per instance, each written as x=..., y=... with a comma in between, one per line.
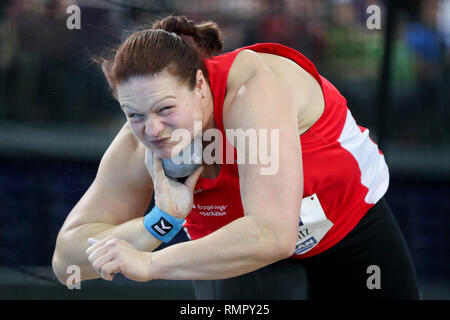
x=208, y=119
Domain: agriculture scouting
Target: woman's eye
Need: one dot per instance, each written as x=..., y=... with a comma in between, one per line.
x=164, y=109
x=135, y=116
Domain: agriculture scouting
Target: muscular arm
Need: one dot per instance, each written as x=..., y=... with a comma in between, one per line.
x=268, y=231
x=113, y=205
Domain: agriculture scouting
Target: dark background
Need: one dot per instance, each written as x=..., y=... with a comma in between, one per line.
x=57, y=117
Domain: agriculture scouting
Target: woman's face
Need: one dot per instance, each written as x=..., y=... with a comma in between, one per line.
x=155, y=106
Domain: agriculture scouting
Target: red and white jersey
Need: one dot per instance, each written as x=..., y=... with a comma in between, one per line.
x=344, y=172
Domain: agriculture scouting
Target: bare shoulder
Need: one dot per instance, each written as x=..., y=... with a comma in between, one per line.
x=304, y=92
x=244, y=66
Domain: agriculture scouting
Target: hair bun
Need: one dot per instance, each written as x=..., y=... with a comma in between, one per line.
x=177, y=24
x=207, y=36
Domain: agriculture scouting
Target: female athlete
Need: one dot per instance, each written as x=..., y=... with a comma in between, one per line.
x=316, y=227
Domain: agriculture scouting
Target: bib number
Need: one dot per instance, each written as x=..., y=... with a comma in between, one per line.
x=313, y=226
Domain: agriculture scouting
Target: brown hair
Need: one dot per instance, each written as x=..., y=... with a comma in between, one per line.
x=175, y=43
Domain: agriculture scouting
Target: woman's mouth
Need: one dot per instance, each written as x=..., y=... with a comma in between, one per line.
x=160, y=142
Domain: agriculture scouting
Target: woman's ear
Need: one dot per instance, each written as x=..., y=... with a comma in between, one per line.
x=200, y=80
x=200, y=84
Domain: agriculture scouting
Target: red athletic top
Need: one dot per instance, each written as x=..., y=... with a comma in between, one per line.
x=344, y=172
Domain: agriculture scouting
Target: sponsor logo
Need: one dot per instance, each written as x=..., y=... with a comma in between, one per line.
x=305, y=245
x=217, y=207
x=162, y=226
x=211, y=210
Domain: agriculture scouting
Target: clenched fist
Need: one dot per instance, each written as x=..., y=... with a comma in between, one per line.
x=110, y=256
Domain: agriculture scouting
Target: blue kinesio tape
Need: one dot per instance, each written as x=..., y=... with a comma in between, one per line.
x=162, y=225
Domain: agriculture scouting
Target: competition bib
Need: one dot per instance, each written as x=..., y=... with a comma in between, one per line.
x=313, y=224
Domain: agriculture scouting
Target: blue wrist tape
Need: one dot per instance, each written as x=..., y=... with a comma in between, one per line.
x=162, y=225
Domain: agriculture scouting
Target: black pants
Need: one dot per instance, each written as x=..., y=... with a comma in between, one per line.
x=373, y=255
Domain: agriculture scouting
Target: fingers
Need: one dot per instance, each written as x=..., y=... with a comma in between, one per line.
x=94, y=255
x=101, y=261
x=102, y=248
x=191, y=181
x=96, y=244
x=92, y=241
x=160, y=177
x=101, y=255
x=149, y=162
x=119, y=256
x=109, y=270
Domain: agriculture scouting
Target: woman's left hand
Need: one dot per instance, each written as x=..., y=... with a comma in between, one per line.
x=110, y=256
x=171, y=196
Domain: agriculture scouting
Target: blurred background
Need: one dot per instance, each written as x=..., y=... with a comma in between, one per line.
x=57, y=116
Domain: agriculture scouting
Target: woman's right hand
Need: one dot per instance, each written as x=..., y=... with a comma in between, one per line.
x=171, y=196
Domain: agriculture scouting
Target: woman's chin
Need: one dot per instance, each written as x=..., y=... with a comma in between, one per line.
x=166, y=152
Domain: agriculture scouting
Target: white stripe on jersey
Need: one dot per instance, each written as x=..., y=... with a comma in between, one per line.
x=374, y=171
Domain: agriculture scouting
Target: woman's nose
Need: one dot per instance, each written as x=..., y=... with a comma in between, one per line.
x=154, y=128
